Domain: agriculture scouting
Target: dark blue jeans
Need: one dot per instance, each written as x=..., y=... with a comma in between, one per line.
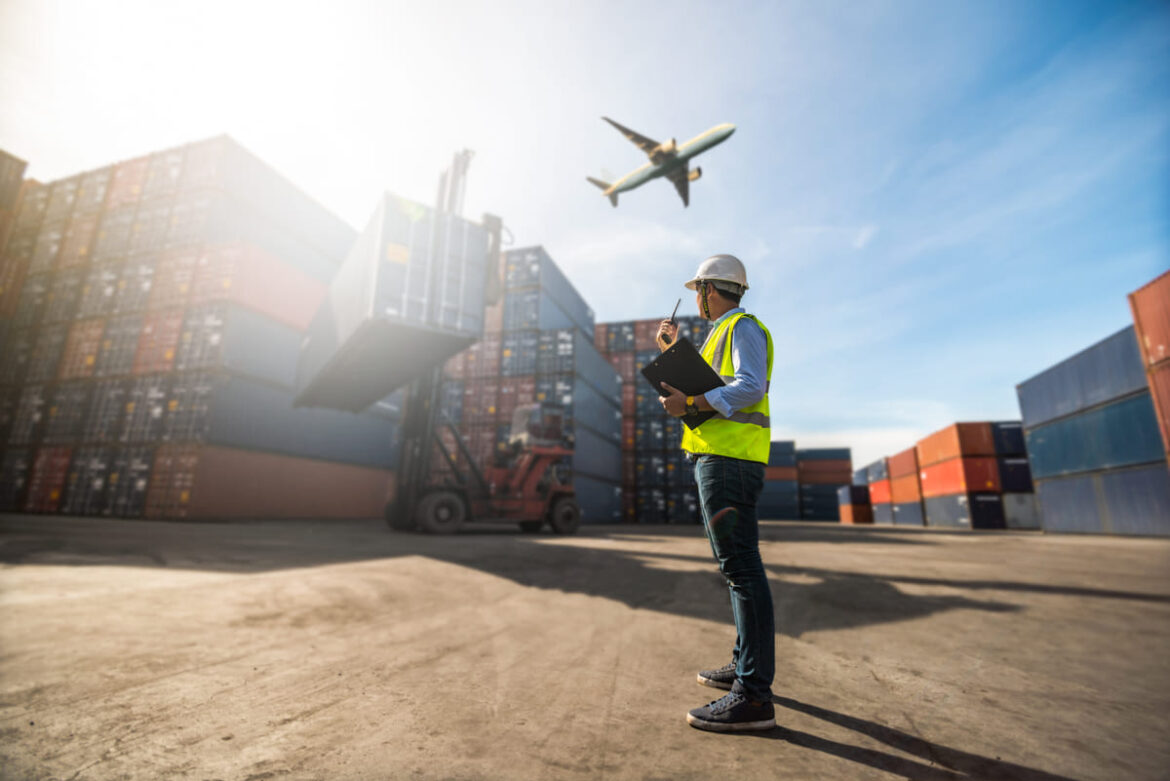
x=728, y=492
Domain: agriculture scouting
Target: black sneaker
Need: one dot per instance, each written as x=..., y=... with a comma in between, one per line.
x=719, y=679
x=733, y=713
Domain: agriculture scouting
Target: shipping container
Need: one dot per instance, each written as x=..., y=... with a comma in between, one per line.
x=62, y=196
x=133, y=288
x=66, y=406
x=651, y=504
x=9, y=398
x=600, y=500
x=955, y=441
x=620, y=337
x=1104, y=372
x=782, y=453
x=1015, y=475
x=106, y=419
x=99, y=291
x=229, y=337
x=158, y=342
x=129, y=478
x=908, y=514
x=81, y=348
x=47, y=247
x=28, y=421
x=34, y=294
x=87, y=483
x=126, y=184
x=856, y=514
x=1122, y=433
x=112, y=241
x=877, y=471
x=397, y=306
x=1159, y=377
x=33, y=202
x=18, y=346
x=222, y=483
x=173, y=280
x=965, y=511
x=779, y=501
x=853, y=494
x=682, y=506
x=904, y=463
x=861, y=476
x=46, y=353
x=907, y=488
x=879, y=492
x=960, y=476
x=531, y=267
x=12, y=275
x=163, y=173
x=1150, y=305
x=534, y=309
x=152, y=231
x=77, y=243
x=64, y=294
x=119, y=345
x=841, y=454
x=91, y=196
x=146, y=406
x=46, y=481
x=789, y=473
x=14, y=470
x=1009, y=438
x=258, y=280
x=883, y=513
x=1021, y=511
x=1123, y=501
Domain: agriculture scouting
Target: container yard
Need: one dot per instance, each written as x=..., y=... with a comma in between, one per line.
x=311, y=469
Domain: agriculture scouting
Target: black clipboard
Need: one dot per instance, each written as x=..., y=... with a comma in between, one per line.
x=681, y=366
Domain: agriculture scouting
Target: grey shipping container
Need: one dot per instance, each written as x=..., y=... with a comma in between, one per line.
x=14, y=467
x=106, y=418
x=531, y=267
x=18, y=348
x=965, y=511
x=87, y=484
x=908, y=514
x=1021, y=511
x=68, y=403
x=1108, y=370
x=64, y=293
x=877, y=471
x=115, y=357
x=130, y=469
x=399, y=305
x=534, y=309
x=595, y=455
x=147, y=400
x=1122, y=501
x=240, y=412
x=1122, y=433
x=600, y=500
x=823, y=454
x=883, y=512
x=134, y=283
x=47, y=247
x=28, y=421
x=34, y=294
x=230, y=337
x=861, y=476
x=98, y=292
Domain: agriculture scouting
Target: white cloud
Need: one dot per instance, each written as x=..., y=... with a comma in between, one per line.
x=864, y=236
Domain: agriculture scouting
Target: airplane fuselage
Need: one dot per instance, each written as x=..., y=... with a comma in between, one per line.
x=680, y=159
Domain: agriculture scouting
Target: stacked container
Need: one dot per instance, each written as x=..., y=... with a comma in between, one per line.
x=151, y=342
x=959, y=476
x=1093, y=442
x=821, y=472
x=853, y=501
x=877, y=475
x=905, y=489
x=658, y=484
x=1151, y=317
x=538, y=347
x=780, y=499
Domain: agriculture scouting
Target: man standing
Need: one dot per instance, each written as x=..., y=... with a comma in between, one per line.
x=729, y=452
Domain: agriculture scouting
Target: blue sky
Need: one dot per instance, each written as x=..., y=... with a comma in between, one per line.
x=935, y=201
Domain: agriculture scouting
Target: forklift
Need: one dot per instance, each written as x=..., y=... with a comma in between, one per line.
x=527, y=481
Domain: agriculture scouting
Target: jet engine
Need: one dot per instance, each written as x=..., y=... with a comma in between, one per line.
x=665, y=149
x=695, y=174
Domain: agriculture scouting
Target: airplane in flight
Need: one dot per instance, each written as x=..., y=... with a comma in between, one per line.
x=666, y=159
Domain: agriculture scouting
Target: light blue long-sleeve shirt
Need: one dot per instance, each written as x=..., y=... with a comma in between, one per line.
x=749, y=356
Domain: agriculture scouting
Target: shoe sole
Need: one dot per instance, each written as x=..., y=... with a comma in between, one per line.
x=714, y=684
x=721, y=726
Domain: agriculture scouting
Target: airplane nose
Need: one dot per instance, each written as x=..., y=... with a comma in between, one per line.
x=730, y=129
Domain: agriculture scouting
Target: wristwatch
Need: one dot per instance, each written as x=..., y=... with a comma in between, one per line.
x=691, y=408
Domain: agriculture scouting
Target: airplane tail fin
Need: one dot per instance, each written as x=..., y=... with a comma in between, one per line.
x=604, y=186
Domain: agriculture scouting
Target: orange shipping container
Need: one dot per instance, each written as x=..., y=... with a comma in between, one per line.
x=904, y=463
x=255, y=279
x=959, y=439
x=905, y=489
x=46, y=480
x=227, y=483
x=879, y=492
x=780, y=473
x=856, y=514
x=960, y=476
x=1159, y=379
x=1150, y=305
x=836, y=466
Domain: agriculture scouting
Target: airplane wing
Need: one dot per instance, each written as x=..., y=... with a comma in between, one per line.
x=682, y=182
x=647, y=145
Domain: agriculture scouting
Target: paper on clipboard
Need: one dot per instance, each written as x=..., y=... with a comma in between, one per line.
x=681, y=366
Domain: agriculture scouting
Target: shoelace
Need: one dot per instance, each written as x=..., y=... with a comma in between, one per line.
x=727, y=702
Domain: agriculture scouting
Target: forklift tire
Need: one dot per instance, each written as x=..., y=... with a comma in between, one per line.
x=441, y=512
x=565, y=516
x=531, y=527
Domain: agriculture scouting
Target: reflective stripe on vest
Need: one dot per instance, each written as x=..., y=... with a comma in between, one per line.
x=746, y=434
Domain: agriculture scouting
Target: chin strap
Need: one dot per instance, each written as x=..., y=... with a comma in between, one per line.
x=706, y=307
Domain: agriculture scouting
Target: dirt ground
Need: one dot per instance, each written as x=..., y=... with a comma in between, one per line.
x=346, y=651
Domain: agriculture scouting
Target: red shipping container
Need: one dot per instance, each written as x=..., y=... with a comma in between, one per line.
x=77, y=244
x=959, y=439
x=600, y=334
x=645, y=332
x=46, y=480
x=225, y=483
x=627, y=433
x=905, y=489
x=623, y=364
x=1150, y=305
x=960, y=476
x=158, y=341
x=173, y=277
x=258, y=280
x=126, y=183
x=879, y=492
x=781, y=473
x=629, y=469
x=826, y=465
x=852, y=514
x=904, y=463
x=825, y=478
x=629, y=400
x=1159, y=379
x=81, y=349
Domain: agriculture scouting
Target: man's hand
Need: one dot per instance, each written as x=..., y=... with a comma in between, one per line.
x=667, y=333
x=675, y=404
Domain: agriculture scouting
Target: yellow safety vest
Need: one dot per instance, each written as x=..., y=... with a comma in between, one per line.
x=747, y=434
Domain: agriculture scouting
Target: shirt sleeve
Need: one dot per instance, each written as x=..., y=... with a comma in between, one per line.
x=749, y=356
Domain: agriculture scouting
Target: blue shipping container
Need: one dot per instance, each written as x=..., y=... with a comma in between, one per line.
x=1108, y=370
x=1122, y=433
x=1122, y=501
x=879, y=470
x=600, y=500
x=908, y=514
x=532, y=267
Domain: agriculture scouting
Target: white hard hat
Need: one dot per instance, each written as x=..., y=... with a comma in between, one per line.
x=721, y=268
